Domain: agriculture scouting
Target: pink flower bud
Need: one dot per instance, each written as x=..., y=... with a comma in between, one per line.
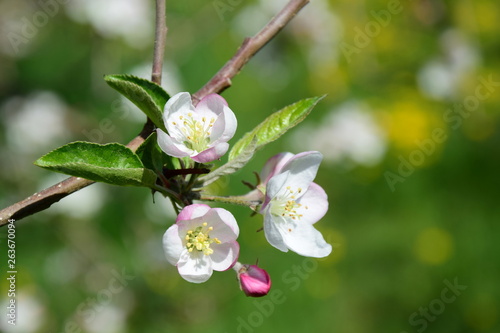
x=254, y=281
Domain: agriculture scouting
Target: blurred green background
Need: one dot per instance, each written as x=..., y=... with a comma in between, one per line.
x=408, y=129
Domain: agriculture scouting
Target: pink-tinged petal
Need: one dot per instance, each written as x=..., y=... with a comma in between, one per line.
x=192, y=211
x=172, y=244
x=272, y=233
x=225, y=227
x=302, y=169
x=273, y=166
x=195, y=266
x=179, y=102
x=304, y=239
x=225, y=255
x=211, y=154
x=169, y=146
x=314, y=204
x=224, y=127
x=213, y=102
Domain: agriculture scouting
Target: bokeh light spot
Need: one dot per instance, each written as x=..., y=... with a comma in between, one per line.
x=433, y=246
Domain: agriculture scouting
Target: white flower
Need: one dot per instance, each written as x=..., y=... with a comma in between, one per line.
x=294, y=203
x=202, y=239
x=200, y=133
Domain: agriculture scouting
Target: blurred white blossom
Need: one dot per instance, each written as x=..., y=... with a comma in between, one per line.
x=129, y=19
x=109, y=319
x=347, y=134
x=30, y=314
x=35, y=122
x=83, y=204
x=440, y=78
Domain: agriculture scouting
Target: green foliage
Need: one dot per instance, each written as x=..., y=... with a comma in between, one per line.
x=275, y=125
x=112, y=163
x=149, y=97
x=152, y=156
x=233, y=165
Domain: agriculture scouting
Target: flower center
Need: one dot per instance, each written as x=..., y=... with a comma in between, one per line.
x=199, y=239
x=196, y=133
x=286, y=206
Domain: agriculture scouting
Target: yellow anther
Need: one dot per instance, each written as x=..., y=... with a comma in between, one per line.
x=199, y=239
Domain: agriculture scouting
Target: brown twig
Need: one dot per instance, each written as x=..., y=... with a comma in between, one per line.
x=221, y=81
x=160, y=39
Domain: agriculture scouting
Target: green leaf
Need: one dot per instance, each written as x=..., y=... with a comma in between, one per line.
x=112, y=163
x=275, y=125
x=152, y=156
x=232, y=166
x=146, y=95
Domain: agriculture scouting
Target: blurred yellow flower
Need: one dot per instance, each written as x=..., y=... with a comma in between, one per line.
x=433, y=246
x=409, y=124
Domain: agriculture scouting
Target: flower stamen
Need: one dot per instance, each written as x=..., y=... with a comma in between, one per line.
x=199, y=239
x=286, y=205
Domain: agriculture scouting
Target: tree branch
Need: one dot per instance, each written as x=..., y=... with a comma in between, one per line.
x=160, y=39
x=221, y=81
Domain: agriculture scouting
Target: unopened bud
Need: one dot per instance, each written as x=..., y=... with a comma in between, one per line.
x=254, y=281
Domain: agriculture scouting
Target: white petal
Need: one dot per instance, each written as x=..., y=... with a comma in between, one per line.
x=214, y=103
x=272, y=233
x=224, y=127
x=172, y=244
x=225, y=226
x=171, y=147
x=193, y=211
x=191, y=217
x=178, y=102
x=314, y=204
x=225, y=255
x=195, y=266
x=302, y=169
x=226, y=123
x=277, y=185
x=274, y=166
x=304, y=239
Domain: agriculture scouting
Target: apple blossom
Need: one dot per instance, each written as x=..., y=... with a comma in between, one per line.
x=293, y=203
x=202, y=239
x=254, y=281
x=200, y=133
